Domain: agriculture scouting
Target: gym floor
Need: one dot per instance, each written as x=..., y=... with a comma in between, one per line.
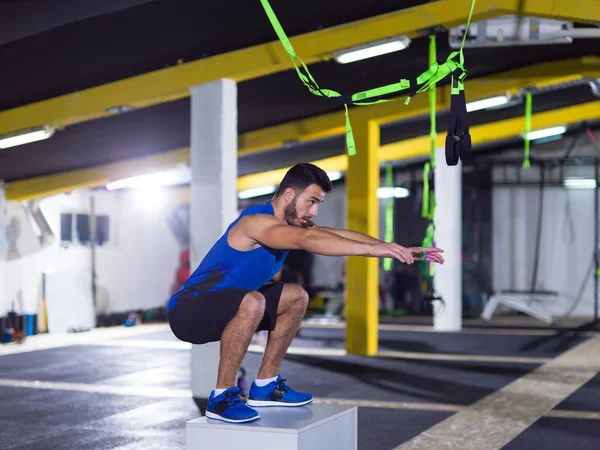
x=483, y=388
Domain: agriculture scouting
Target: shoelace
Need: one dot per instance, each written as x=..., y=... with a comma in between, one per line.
x=232, y=398
x=282, y=385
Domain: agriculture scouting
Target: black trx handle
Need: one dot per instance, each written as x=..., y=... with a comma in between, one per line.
x=458, y=139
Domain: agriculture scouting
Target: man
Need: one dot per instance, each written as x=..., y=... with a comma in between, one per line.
x=228, y=297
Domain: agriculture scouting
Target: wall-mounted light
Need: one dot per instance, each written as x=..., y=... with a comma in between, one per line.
x=257, y=191
x=491, y=102
x=579, y=183
x=372, y=49
x=26, y=136
x=172, y=177
x=392, y=192
x=546, y=132
x=335, y=175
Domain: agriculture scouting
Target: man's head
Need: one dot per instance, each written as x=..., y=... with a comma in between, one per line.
x=301, y=191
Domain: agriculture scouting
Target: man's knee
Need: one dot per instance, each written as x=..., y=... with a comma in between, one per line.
x=296, y=297
x=253, y=304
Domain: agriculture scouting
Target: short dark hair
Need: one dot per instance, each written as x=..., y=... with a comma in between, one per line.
x=302, y=175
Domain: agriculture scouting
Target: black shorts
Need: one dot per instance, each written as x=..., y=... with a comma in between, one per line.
x=199, y=319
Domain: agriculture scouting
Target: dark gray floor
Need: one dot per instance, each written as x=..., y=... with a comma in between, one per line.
x=551, y=433
x=587, y=398
x=62, y=419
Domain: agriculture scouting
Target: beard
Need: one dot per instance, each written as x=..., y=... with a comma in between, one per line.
x=290, y=212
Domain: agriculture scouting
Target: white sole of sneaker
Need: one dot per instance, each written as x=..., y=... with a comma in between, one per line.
x=214, y=416
x=259, y=403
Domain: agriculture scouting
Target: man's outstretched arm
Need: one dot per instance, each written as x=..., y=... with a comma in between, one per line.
x=348, y=234
x=419, y=253
x=269, y=231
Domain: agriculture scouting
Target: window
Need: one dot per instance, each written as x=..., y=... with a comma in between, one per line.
x=76, y=228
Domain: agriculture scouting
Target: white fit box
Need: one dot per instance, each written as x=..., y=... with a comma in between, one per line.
x=310, y=427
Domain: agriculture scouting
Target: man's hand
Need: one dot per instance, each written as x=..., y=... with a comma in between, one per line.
x=431, y=254
x=392, y=250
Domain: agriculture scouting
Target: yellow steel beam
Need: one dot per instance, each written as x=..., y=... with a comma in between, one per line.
x=416, y=147
x=59, y=183
x=494, y=131
x=586, y=11
x=327, y=125
x=260, y=60
x=362, y=277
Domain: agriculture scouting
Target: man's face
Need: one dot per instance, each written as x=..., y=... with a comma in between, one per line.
x=304, y=206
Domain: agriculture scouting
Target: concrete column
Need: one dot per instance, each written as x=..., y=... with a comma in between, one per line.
x=447, y=278
x=213, y=204
x=362, y=274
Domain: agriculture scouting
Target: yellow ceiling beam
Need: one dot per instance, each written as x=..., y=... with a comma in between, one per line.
x=411, y=148
x=419, y=146
x=174, y=82
x=91, y=177
x=331, y=124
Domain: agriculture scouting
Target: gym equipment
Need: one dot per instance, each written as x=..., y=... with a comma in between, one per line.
x=309, y=427
x=405, y=88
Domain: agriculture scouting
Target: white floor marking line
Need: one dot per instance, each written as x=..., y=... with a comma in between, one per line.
x=139, y=391
x=497, y=419
x=465, y=330
x=564, y=414
x=170, y=394
x=50, y=340
x=463, y=357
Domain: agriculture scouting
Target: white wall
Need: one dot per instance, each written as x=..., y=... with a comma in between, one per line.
x=566, y=245
x=135, y=268
x=138, y=267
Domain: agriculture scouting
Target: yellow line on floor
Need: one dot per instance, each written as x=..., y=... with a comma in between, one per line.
x=494, y=421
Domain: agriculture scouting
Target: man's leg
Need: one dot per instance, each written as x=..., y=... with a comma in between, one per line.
x=269, y=389
x=291, y=310
x=236, y=338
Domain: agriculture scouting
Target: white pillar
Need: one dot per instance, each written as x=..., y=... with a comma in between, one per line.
x=213, y=204
x=447, y=279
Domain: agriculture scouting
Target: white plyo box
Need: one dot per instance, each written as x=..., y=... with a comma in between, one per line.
x=310, y=427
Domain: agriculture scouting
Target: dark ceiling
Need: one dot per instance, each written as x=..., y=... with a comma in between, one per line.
x=49, y=48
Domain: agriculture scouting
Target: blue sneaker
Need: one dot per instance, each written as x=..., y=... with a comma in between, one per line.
x=228, y=407
x=277, y=393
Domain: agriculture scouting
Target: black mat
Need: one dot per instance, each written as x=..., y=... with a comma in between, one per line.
x=43, y=419
x=586, y=398
x=47, y=419
x=551, y=433
x=429, y=342
x=384, y=429
x=439, y=342
x=363, y=378
x=101, y=364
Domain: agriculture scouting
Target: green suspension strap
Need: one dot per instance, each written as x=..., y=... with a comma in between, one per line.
x=389, y=215
x=405, y=88
x=528, y=108
x=428, y=206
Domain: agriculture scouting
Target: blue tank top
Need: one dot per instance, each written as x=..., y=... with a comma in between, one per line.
x=225, y=267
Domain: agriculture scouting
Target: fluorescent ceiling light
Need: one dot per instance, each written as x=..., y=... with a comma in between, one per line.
x=392, y=192
x=486, y=103
x=333, y=176
x=546, y=132
x=372, y=49
x=579, y=183
x=257, y=191
x=173, y=177
x=26, y=137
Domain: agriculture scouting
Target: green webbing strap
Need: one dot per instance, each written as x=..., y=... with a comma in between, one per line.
x=402, y=89
x=389, y=216
x=528, y=108
x=432, y=101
